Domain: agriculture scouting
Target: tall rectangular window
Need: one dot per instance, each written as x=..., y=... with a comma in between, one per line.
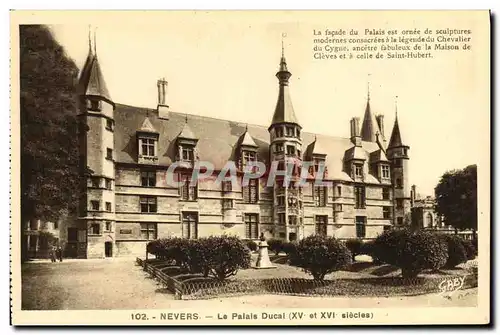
x=386, y=212
x=148, y=178
x=188, y=191
x=385, y=172
x=290, y=150
x=149, y=231
x=252, y=226
x=386, y=193
x=148, y=147
x=279, y=132
x=339, y=191
x=281, y=219
x=108, y=226
x=278, y=147
x=281, y=200
x=289, y=131
x=321, y=225
x=358, y=170
x=95, y=229
x=109, y=124
x=360, y=226
x=190, y=225
x=108, y=206
x=227, y=186
x=94, y=205
x=320, y=196
x=108, y=183
x=251, y=192
x=96, y=182
x=109, y=153
x=399, y=203
x=148, y=204
x=292, y=220
x=359, y=194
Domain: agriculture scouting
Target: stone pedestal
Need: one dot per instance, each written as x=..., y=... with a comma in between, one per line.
x=263, y=261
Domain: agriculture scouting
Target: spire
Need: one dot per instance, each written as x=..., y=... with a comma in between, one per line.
x=283, y=112
x=370, y=128
x=396, y=133
x=91, y=78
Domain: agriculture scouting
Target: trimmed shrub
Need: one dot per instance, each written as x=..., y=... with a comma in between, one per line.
x=470, y=250
x=321, y=255
x=354, y=246
x=275, y=245
x=412, y=251
x=252, y=245
x=225, y=256
x=198, y=256
x=456, y=250
x=289, y=247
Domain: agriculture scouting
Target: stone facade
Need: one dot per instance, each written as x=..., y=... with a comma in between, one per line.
x=127, y=199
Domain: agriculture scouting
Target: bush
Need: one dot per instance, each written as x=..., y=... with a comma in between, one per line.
x=320, y=255
x=289, y=247
x=227, y=254
x=252, y=245
x=198, y=254
x=354, y=246
x=275, y=245
x=470, y=250
x=456, y=250
x=412, y=251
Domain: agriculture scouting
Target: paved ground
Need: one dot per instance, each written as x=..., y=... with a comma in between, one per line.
x=119, y=284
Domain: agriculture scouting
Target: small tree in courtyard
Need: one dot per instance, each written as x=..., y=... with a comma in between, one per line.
x=456, y=250
x=227, y=254
x=412, y=251
x=320, y=255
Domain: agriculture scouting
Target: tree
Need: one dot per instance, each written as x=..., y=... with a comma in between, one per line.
x=49, y=128
x=412, y=251
x=456, y=198
x=320, y=255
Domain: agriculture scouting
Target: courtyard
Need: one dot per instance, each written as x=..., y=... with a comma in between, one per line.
x=120, y=284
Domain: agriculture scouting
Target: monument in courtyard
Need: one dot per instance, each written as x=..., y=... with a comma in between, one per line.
x=263, y=261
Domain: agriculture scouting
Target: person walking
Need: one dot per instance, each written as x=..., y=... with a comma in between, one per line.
x=53, y=251
x=59, y=253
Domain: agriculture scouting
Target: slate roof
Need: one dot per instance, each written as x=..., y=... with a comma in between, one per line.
x=370, y=127
x=396, y=135
x=284, y=109
x=218, y=140
x=92, y=80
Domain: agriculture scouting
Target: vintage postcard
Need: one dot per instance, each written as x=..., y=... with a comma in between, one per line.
x=250, y=167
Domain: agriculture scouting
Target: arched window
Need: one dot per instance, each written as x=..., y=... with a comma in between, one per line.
x=429, y=220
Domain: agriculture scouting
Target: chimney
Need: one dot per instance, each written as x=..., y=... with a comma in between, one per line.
x=413, y=194
x=380, y=122
x=163, y=108
x=355, y=132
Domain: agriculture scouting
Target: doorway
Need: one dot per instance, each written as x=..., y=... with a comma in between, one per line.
x=108, y=249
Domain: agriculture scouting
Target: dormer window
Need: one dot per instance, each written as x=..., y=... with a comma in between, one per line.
x=148, y=147
x=358, y=170
x=385, y=172
x=187, y=153
x=317, y=162
x=246, y=157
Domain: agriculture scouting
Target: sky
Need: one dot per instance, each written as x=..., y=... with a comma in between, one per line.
x=224, y=66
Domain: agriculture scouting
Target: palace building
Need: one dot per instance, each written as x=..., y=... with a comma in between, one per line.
x=127, y=151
